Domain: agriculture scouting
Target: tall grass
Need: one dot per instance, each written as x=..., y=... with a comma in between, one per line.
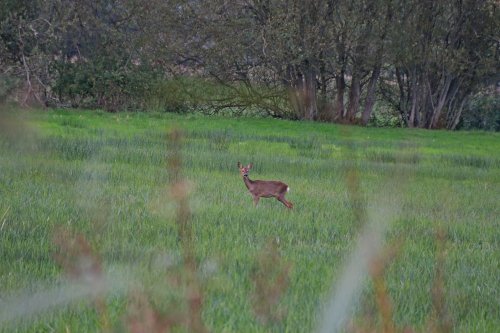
x=97, y=187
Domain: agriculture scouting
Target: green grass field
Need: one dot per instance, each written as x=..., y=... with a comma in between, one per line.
x=106, y=178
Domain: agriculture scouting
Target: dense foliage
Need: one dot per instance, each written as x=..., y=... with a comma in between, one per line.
x=326, y=60
x=483, y=112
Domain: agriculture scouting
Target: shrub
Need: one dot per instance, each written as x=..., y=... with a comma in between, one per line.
x=384, y=116
x=482, y=112
x=102, y=84
x=7, y=85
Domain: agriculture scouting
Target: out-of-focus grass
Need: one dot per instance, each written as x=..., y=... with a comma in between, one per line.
x=105, y=177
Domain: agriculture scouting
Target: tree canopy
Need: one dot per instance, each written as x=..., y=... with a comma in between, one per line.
x=327, y=60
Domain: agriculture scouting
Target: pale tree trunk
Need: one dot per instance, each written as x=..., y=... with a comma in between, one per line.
x=410, y=96
x=437, y=108
x=455, y=107
x=309, y=95
x=414, y=92
x=370, y=95
x=457, y=116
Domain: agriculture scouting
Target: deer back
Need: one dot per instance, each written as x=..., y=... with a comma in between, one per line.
x=266, y=188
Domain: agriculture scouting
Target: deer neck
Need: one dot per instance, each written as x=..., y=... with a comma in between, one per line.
x=248, y=182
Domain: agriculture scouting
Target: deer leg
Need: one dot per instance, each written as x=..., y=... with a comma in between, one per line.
x=255, y=200
x=288, y=204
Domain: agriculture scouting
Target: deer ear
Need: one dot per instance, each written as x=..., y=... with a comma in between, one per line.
x=239, y=165
x=250, y=166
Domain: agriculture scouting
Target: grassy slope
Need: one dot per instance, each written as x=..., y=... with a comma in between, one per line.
x=104, y=175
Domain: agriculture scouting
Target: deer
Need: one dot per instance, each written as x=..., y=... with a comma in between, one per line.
x=264, y=188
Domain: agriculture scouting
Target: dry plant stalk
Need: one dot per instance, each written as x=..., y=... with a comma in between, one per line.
x=378, y=265
x=270, y=278
x=77, y=258
x=440, y=319
x=384, y=303
x=179, y=192
x=356, y=196
x=353, y=182
x=143, y=317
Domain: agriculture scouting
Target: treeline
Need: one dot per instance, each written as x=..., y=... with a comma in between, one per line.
x=429, y=64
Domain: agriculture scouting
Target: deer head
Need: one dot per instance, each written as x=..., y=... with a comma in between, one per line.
x=244, y=170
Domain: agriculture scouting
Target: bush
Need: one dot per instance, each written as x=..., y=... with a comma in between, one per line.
x=384, y=116
x=482, y=112
x=176, y=95
x=101, y=84
x=7, y=85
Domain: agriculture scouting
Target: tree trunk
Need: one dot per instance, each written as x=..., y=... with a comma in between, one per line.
x=354, y=95
x=309, y=94
x=457, y=116
x=339, y=99
x=411, y=96
x=302, y=91
x=370, y=95
x=412, y=119
x=441, y=101
x=402, y=105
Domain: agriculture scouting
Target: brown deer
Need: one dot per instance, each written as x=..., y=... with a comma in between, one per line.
x=264, y=188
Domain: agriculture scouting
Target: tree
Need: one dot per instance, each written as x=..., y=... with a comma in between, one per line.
x=328, y=60
x=450, y=52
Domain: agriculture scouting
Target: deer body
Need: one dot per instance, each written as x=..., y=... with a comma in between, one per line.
x=264, y=188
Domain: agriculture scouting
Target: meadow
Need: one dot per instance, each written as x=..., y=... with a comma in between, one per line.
x=87, y=196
